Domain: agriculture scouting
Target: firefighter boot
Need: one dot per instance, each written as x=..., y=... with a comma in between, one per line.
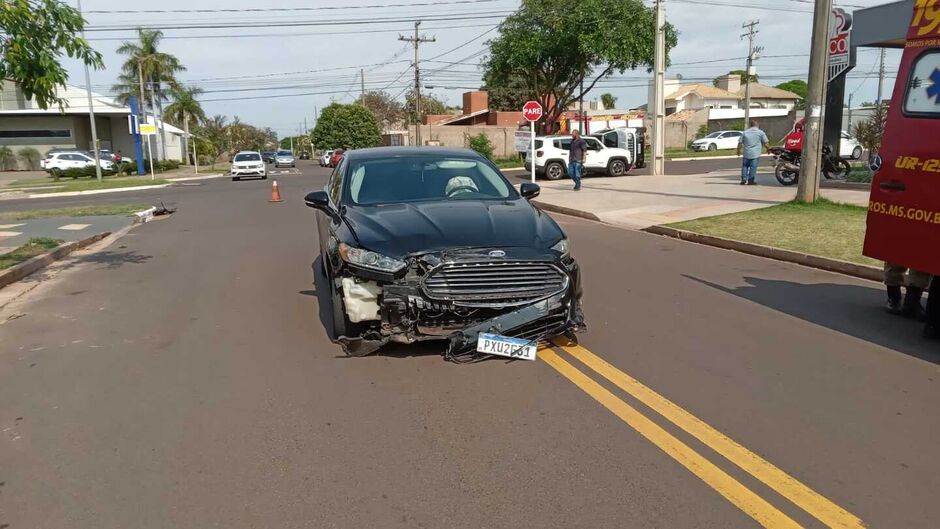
x=912, y=308
x=894, y=300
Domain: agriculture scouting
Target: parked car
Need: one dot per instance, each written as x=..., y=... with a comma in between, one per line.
x=336, y=157
x=551, y=157
x=284, y=159
x=325, y=158
x=435, y=244
x=248, y=163
x=57, y=162
x=632, y=139
x=268, y=156
x=849, y=147
x=720, y=140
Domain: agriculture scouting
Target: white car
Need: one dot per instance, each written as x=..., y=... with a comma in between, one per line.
x=722, y=139
x=551, y=157
x=849, y=147
x=325, y=158
x=57, y=162
x=248, y=163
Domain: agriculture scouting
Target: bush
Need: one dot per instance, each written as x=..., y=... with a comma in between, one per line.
x=165, y=165
x=481, y=144
x=7, y=159
x=127, y=167
x=78, y=172
x=30, y=157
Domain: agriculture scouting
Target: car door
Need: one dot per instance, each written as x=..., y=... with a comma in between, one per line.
x=729, y=140
x=326, y=224
x=594, y=158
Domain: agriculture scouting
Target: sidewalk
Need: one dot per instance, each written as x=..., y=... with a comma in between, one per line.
x=642, y=201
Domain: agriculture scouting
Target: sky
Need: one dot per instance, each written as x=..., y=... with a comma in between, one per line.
x=272, y=68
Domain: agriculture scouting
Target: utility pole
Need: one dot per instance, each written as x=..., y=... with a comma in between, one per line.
x=848, y=127
x=808, y=190
x=416, y=41
x=91, y=110
x=752, y=54
x=659, y=106
x=881, y=76
x=362, y=85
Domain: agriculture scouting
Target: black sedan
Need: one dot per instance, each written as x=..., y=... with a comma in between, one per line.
x=435, y=244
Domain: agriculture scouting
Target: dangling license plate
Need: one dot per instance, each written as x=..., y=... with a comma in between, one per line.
x=495, y=344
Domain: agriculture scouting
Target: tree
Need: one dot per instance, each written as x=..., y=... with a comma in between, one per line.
x=554, y=45
x=386, y=110
x=608, y=100
x=481, y=144
x=34, y=35
x=185, y=107
x=429, y=105
x=870, y=132
x=7, y=159
x=745, y=78
x=798, y=87
x=509, y=95
x=29, y=157
x=346, y=126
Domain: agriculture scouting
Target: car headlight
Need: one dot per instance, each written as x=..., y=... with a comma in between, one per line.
x=561, y=247
x=370, y=260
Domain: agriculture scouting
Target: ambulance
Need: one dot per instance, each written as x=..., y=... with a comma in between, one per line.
x=904, y=208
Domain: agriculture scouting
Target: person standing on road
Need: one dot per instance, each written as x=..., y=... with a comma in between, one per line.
x=754, y=142
x=576, y=158
x=916, y=282
x=932, y=328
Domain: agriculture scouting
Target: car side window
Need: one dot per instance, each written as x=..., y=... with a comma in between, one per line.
x=610, y=139
x=336, y=182
x=592, y=144
x=564, y=144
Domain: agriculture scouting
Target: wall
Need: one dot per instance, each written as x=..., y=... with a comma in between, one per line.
x=776, y=127
x=504, y=119
x=678, y=134
x=502, y=138
x=42, y=145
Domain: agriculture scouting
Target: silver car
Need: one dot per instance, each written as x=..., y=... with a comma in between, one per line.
x=284, y=159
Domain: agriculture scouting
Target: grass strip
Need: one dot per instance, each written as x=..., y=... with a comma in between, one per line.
x=35, y=246
x=75, y=211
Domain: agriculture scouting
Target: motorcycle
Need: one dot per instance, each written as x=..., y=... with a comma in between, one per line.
x=787, y=165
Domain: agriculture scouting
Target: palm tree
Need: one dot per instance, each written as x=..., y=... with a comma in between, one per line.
x=185, y=106
x=151, y=66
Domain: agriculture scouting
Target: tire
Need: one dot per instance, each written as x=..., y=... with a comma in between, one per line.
x=785, y=176
x=856, y=153
x=839, y=170
x=554, y=171
x=616, y=168
x=264, y=177
x=713, y=146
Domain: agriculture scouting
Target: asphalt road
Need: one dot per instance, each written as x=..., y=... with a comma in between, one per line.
x=182, y=377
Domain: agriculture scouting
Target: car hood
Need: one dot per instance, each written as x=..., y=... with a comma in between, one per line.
x=397, y=230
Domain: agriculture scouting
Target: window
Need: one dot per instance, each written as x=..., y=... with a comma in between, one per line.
x=731, y=135
x=21, y=134
x=563, y=144
x=284, y=153
x=610, y=139
x=923, y=86
x=336, y=181
x=592, y=144
x=424, y=178
x=248, y=157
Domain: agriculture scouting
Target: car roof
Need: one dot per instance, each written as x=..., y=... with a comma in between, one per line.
x=247, y=152
x=387, y=152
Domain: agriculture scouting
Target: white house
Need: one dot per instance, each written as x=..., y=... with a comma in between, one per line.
x=24, y=124
x=729, y=94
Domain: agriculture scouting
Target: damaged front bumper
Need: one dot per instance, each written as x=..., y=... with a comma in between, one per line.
x=456, y=296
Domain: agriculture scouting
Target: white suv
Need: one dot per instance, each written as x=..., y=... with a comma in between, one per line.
x=56, y=163
x=248, y=163
x=551, y=157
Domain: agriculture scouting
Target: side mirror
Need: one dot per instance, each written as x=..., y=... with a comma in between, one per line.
x=318, y=200
x=529, y=190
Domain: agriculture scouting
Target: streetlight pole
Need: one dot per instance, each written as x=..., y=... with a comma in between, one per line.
x=808, y=190
x=659, y=105
x=91, y=109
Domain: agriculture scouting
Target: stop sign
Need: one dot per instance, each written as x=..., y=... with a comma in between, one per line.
x=532, y=110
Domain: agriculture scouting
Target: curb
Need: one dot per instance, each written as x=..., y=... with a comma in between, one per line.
x=95, y=192
x=700, y=158
x=813, y=261
x=15, y=273
x=565, y=210
x=197, y=177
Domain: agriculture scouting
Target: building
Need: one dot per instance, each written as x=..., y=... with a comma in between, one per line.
x=476, y=111
x=24, y=124
x=729, y=95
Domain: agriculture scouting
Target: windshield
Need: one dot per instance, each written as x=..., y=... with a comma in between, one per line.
x=284, y=153
x=424, y=178
x=248, y=157
x=713, y=135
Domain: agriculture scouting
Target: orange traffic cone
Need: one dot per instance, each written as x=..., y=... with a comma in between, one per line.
x=275, y=192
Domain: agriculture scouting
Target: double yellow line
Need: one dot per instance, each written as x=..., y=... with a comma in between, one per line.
x=733, y=490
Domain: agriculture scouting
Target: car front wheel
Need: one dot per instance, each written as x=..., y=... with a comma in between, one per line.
x=712, y=147
x=616, y=168
x=554, y=171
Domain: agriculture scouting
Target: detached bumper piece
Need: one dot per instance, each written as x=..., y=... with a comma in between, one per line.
x=455, y=296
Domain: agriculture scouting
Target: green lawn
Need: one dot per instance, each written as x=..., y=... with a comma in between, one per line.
x=826, y=228
x=77, y=211
x=508, y=162
x=34, y=247
x=688, y=153
x=84, y=184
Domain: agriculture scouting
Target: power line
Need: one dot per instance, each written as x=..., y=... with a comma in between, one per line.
x=282, y=9
x=462, y=45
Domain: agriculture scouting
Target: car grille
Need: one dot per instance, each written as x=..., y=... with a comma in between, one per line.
x=542, y=329
x=494, y=282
